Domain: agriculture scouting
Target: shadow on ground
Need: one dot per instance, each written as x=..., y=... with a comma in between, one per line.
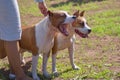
x=4, y=73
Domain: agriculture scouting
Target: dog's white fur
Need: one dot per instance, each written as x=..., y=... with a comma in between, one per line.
x=85, y=29
x=43, y=30
x=45, y=42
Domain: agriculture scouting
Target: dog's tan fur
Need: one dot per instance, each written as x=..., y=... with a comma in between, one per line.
x=28, y=40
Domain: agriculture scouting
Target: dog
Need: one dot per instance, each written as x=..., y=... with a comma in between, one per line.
x=40, y=38
x=61, y=42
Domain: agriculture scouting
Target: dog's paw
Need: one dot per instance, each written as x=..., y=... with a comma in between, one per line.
x=56, y=74
x=76, y=67
x=36, y=78
x=46, y=75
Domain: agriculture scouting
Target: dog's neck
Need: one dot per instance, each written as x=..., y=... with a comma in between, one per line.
x=46, y=25
x=71, y=30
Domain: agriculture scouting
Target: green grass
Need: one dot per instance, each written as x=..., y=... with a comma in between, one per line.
x=28, y=8
x=106, y=22
x=92, y=54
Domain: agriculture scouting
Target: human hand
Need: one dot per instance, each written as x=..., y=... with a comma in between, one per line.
x=43, y=8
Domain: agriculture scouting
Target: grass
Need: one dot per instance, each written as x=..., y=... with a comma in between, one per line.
x=97, y=56
x=109, y=26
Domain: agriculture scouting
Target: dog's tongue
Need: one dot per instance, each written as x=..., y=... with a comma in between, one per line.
x=63, y=29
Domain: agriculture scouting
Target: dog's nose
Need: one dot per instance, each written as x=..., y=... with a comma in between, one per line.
x=74, y=17
x=89, y=30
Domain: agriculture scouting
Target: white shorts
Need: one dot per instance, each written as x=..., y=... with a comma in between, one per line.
x=10, y=24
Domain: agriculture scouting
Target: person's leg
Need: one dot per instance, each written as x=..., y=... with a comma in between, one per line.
x=10, y=33
x=12, y=51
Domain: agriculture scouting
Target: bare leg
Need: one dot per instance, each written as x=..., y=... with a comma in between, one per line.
x=71, y=55
x=12, y=74
x=12, y=50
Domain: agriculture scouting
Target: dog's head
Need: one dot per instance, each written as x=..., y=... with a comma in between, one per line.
x=60, y=20
x=80, y=25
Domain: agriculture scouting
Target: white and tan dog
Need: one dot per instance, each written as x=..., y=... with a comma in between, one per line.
x=40, y=38
x=61, y=42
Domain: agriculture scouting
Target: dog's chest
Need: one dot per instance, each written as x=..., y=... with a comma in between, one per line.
x=46, y=45
x=44, y=39
x=63, y=42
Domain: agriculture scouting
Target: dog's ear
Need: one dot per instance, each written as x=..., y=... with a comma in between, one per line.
x=50, y=13
x=82, y=13
x=76, y=13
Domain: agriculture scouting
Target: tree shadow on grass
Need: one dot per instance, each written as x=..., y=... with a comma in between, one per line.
x=52, y=76
x=75, y=2
x=27, y=68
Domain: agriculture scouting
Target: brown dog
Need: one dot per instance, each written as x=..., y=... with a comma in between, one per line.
x=61, y=42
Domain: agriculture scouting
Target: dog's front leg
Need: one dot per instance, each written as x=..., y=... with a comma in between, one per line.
x=71, y=56
x=54, y=70
x=44, y=64
x=34, y=67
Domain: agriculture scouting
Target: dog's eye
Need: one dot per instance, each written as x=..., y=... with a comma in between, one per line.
x=82, y=23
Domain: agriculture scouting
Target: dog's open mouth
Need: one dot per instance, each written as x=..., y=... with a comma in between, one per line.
x=63, y=29
x=81, y=34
